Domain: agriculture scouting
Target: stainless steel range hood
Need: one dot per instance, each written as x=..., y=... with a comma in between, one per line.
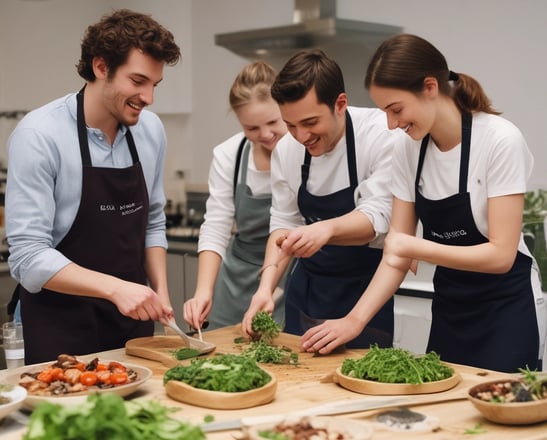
x=314, y=25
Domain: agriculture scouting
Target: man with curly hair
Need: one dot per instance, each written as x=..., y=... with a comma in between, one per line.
x=85, y=220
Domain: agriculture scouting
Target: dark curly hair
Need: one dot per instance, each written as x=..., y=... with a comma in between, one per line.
x=113, y=37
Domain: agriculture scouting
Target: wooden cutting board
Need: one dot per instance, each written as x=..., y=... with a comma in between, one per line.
x=156, y=348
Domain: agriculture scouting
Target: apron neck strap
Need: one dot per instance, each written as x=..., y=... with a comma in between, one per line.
x=82, y=133
x=467, y=120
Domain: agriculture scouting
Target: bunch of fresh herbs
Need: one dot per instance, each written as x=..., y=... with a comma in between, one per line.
x=396, y=365
x=263, y=349
x=265, y=326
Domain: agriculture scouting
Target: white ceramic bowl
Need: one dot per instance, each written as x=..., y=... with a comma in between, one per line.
x=16, y=395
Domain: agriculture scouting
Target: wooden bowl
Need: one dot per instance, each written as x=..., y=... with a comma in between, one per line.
x=364, y=386
x=185, y=393
x=513, y=413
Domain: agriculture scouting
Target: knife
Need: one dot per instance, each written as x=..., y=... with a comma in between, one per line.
x=340, y=407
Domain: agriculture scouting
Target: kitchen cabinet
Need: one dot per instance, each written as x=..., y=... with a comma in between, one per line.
x=182, y=269
x=190, y=275
x=412, y=322
x=175, y=282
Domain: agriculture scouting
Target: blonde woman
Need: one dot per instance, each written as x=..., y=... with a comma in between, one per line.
x=239, y=191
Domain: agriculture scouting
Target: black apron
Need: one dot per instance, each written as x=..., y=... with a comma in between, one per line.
x=329, y=284
x=482, y=320
x=108, y=236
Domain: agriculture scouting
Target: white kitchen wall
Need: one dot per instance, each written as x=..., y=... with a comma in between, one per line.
x=500, y=42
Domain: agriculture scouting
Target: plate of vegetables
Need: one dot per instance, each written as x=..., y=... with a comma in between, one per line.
x=513, y=401
x=395, y=371
x=69, y=380
x=223, y=381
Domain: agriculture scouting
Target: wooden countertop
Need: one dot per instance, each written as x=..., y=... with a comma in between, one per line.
x=310, y=384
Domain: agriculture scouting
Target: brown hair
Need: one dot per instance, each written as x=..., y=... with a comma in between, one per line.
x=254, y=81
x=307, y=69
x=116, y=34
x=404, y=61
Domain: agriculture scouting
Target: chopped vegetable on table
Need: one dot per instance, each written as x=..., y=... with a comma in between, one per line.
x=263, y=350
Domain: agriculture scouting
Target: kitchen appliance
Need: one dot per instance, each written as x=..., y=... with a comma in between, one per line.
x=315, y=25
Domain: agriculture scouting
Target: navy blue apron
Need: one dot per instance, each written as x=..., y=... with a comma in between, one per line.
x=108, y=236
x=483, y=320
x=329, y=284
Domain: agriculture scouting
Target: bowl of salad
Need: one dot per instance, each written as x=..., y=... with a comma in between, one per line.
x=395, y=371
x=513, y=401
x=223, y=381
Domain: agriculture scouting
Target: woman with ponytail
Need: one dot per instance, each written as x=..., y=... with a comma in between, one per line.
x=462, y=173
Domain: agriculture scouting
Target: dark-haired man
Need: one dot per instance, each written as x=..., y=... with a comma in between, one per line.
x=331, y=202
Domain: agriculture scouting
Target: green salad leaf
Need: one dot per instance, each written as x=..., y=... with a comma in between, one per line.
x=222, y=372
x=185, y=353
x=108, y=416
x=396, y=365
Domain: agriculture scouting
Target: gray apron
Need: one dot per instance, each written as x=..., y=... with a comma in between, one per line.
x=238, y=278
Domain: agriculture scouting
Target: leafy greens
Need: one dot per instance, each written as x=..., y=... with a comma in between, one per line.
x=223, y=372
x=108, y=416
x=396, y=365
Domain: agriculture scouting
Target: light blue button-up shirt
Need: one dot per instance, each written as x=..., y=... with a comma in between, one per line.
x=44, y=184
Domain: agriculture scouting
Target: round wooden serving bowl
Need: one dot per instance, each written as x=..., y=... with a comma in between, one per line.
x=363, y=386
x=513, y=413
x=185, y=393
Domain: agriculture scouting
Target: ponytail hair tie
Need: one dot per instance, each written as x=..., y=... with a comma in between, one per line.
x=453, y=76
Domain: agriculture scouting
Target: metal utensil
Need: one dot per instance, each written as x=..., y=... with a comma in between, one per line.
x=202, y=346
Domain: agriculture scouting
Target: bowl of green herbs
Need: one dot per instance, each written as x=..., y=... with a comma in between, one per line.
x=223, y=381
x=395, y=371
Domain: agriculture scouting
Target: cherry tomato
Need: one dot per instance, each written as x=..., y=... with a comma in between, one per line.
x=118, y=378
x=104, y=376
x=46, y=375
x=88, y=378
x=116, y=367
x=57, y=373
x=50, y=374
x=101, y=367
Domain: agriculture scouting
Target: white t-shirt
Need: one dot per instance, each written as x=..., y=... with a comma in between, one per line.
x=500, y=163
x=329, y=172
x=216, y=231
